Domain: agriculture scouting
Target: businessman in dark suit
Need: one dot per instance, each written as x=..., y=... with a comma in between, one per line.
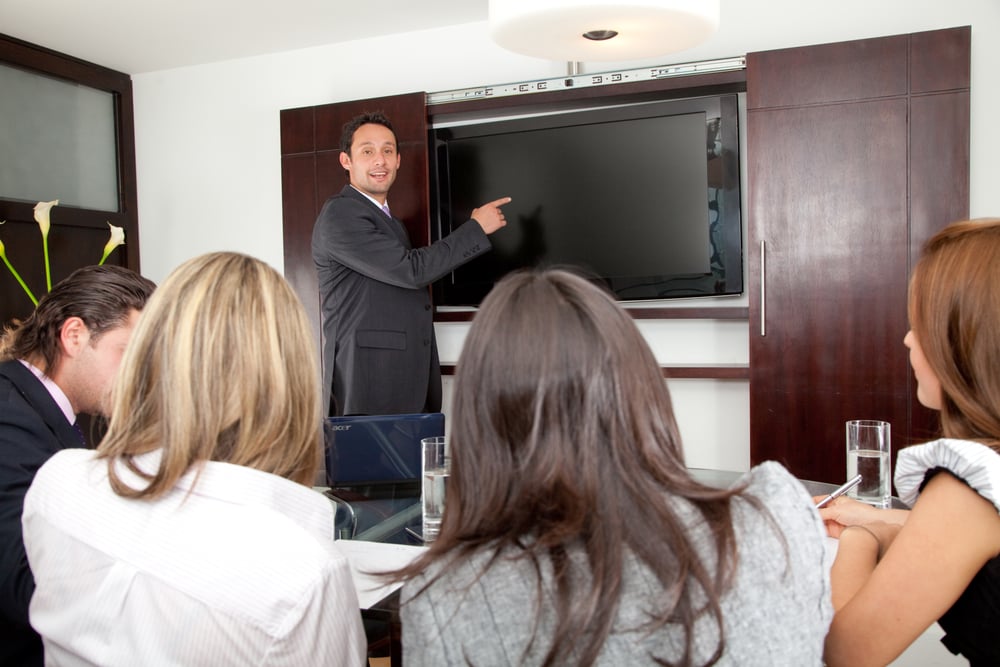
x=380, y=355
x=56, y=364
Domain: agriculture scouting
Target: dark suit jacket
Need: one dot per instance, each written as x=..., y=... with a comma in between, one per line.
x=379, y=353
x=32, y=428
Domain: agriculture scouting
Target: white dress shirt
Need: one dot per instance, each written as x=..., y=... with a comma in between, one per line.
x=233, y=566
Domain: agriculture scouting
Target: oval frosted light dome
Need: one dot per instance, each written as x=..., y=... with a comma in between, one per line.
x=554, y=29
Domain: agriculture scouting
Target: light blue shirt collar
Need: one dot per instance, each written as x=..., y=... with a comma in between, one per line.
x=371, y=199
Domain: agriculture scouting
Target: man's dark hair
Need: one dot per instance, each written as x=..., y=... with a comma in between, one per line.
x=367, y=118
x=102, y=296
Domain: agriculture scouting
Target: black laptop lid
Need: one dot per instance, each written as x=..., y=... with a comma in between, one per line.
x=377, y=449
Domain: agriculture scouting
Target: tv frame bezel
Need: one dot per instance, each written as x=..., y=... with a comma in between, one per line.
x=729, y=104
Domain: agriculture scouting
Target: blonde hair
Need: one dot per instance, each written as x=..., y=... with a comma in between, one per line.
x=221, y=367
x=954, y=310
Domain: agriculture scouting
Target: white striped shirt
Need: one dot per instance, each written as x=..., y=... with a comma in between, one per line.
x=975, y=463
x=234, y=567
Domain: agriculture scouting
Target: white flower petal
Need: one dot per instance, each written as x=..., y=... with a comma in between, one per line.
x=42, y=210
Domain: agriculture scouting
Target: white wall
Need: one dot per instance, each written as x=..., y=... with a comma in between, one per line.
x=207, y=144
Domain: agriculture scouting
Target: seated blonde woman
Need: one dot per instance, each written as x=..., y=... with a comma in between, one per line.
x=898, y=572
x=573, y=533
x=190, y=537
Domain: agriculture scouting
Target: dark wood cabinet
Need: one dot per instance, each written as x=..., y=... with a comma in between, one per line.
x=857, y=152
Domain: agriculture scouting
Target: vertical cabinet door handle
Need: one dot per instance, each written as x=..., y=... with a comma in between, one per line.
x=763, y=289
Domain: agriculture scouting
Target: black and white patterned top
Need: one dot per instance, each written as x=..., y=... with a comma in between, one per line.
x=975, y=463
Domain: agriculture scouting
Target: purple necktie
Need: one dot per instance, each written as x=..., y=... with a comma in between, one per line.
x=385, y=209
x=79, y=432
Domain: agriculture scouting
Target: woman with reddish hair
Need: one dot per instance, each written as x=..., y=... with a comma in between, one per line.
x=899, y=571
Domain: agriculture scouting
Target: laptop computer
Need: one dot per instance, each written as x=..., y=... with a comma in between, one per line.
x=373, y=450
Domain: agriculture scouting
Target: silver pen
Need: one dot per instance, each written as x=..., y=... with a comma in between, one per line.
x=840, y=490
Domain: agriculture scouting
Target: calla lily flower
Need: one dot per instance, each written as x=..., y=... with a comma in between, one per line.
x=42, y=210
x=17, y=276
x=117, y=239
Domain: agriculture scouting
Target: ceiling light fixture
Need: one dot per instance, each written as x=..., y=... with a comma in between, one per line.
x=593, y=30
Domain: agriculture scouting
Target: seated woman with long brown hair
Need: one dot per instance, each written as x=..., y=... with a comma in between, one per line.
x=898, y=571
x=191, y=536
x=573, y=533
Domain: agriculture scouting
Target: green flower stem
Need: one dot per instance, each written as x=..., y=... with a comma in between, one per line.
x=48, y=272
x=17, y=276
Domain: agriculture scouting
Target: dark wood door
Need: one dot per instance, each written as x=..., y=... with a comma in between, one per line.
x=841, y=194
x=311, y=172
x=827, y=346
x=77, y=235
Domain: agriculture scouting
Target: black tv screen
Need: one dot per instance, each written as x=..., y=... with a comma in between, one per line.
x=644, y=198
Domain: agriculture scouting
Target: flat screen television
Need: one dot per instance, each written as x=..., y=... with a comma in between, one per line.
x=644, y=198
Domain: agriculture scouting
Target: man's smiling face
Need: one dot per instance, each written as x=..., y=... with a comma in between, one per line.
x=373, y=161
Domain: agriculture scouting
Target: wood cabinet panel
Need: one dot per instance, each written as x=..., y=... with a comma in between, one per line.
x=826, y=188
x=939, y=193
x=297, y=133
x=939, y=163
x=843, y=71
x=939, y=60
x=298, y=209
x=843, y=195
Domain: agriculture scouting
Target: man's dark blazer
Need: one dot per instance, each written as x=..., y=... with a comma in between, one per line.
x=32, y=428
x=379, y=352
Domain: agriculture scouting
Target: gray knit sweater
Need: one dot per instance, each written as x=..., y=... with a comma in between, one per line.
x=776, y=613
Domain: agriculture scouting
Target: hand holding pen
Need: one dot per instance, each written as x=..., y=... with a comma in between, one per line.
x=837, y=517
x=839, y=491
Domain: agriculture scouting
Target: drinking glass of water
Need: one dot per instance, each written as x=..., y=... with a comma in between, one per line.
x=434, y=468
x=869, y=453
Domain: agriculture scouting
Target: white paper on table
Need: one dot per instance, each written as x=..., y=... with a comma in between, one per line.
x=370, y=557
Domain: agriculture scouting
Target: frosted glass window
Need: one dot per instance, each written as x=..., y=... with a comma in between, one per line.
x=57, y=141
